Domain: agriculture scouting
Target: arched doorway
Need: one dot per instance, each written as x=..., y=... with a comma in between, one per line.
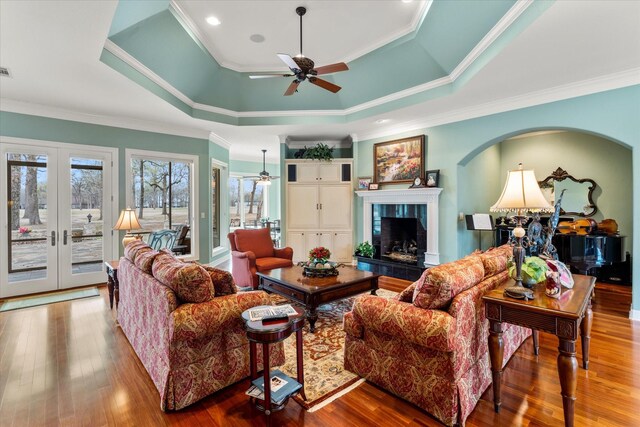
x=582, y=154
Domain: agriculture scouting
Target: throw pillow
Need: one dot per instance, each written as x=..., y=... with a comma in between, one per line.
x=222, y=281
x=144, y=260
x=190, y=282
x=133, y=248
x=493, y=262
x=443, y=282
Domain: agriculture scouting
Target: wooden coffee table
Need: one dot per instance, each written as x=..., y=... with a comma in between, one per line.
x=311, y=292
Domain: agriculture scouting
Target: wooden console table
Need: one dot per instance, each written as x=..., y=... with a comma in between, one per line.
x=561, y=317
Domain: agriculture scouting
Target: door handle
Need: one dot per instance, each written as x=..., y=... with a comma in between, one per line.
x=53, y=238
x=320, y=205
x=64, y=237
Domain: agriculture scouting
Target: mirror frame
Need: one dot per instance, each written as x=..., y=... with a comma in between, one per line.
x=560, y=175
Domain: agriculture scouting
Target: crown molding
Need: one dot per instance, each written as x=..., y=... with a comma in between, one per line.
x=192, y=28
x=142, y=69
x=31, y=109
x=255, y=158
x=505, y=22
x=558, y=93
x=220, y=141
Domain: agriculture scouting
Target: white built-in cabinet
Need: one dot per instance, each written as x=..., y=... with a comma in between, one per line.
x=320, y=208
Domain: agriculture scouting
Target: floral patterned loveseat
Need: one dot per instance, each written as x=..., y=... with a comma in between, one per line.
x=184, y=322
x=429, y=345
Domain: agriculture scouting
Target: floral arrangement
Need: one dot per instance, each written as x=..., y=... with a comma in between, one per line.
x=24, y=230
x=319, y=253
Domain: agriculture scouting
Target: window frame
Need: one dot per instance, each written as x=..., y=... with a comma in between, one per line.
x=130, y=154
x=265, y=197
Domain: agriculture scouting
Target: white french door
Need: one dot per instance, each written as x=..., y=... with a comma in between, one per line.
x=57, y=224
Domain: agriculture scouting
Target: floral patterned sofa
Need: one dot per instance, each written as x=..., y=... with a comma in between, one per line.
x=429, y=345
x=184, y=322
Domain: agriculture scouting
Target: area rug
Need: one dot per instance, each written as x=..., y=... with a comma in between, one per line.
x=25, y=302
x=325, y=378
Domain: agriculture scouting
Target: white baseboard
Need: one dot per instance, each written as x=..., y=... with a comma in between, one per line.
x=634, y=315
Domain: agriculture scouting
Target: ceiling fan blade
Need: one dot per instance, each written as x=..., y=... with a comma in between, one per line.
x=268, y=76
x=333, y=68
x=325, y=84
x=292, y=88
x=289, y=61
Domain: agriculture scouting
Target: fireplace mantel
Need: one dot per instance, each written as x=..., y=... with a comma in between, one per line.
x=413, y=196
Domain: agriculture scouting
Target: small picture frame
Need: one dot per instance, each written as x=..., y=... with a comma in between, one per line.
x=363, y=182
x=432, y=178
x=373, y=186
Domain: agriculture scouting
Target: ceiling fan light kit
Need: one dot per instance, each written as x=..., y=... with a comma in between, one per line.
x=303, y=68
x=263, y=178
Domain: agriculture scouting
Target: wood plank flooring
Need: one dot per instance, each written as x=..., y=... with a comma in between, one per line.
x=69, y=364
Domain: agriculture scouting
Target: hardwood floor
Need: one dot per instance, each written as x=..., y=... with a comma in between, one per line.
x=69, y=364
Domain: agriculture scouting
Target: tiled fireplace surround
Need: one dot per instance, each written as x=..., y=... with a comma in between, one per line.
x=427, y=196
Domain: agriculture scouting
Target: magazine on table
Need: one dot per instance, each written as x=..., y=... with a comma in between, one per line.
x=282, y=386
x=258, y=313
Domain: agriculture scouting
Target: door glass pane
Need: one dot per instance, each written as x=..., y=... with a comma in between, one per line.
x=235, y=204
x=252, y=202
x=27, y=212
x=215, y=206
x=162, y=199
x=85, y=236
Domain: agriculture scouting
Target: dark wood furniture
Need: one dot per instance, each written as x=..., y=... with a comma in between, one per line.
x=112, y=282
x=257, y=333
x=561, y=317
x=395, y=269
x=314, y=291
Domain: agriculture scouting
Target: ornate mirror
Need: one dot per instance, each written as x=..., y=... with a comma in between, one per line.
x=578, y=197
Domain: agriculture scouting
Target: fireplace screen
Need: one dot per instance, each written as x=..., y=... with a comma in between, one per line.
x=399, y=232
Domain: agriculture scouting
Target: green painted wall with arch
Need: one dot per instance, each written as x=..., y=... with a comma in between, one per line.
x=613, y=114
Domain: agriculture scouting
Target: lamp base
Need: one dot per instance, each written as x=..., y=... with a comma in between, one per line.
x=519, y=292
x=128, y=238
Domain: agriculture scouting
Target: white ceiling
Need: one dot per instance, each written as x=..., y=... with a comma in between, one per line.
x=357, y=27
x=52, y=49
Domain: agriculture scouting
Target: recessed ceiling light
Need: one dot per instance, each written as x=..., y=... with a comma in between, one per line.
x=381, y=121
x=212, y=20
x=407, y=1
x=257, y=38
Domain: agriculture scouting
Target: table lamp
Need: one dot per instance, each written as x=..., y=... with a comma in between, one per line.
x=128, y=220
x=521, y=194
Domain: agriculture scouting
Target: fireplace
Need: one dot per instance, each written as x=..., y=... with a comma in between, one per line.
x=399, y=232
x=418, y=203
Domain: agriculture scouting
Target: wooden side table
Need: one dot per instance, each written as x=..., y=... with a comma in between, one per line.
x=257, y=333
x=561, y=317
x=112, y=282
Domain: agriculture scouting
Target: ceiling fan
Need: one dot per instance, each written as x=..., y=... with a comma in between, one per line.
x=263, y=178
x=303, y=68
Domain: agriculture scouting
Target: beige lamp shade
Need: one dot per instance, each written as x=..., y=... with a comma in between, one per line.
x=128, y=220
x=521, y=193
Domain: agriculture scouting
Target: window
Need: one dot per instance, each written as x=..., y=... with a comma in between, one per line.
x=162, y=193
x=247, y=202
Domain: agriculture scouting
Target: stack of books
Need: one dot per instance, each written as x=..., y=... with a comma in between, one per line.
x=282, y=386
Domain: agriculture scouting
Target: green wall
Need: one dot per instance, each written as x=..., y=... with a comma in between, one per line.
x=47, y=129
x=481, y=178
x=613, y=114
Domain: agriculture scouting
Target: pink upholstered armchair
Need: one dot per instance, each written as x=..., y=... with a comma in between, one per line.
x=253, y=251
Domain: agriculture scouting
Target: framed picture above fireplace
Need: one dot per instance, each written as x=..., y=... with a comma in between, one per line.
x=401, y=160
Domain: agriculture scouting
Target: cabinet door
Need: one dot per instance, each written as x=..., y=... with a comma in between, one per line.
x=311, y=240
x=342, y=248
x=302, y=206
x=325, y=239
x=307, y=172
x=335, y=206
x=296, y=241
x=329, y=172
